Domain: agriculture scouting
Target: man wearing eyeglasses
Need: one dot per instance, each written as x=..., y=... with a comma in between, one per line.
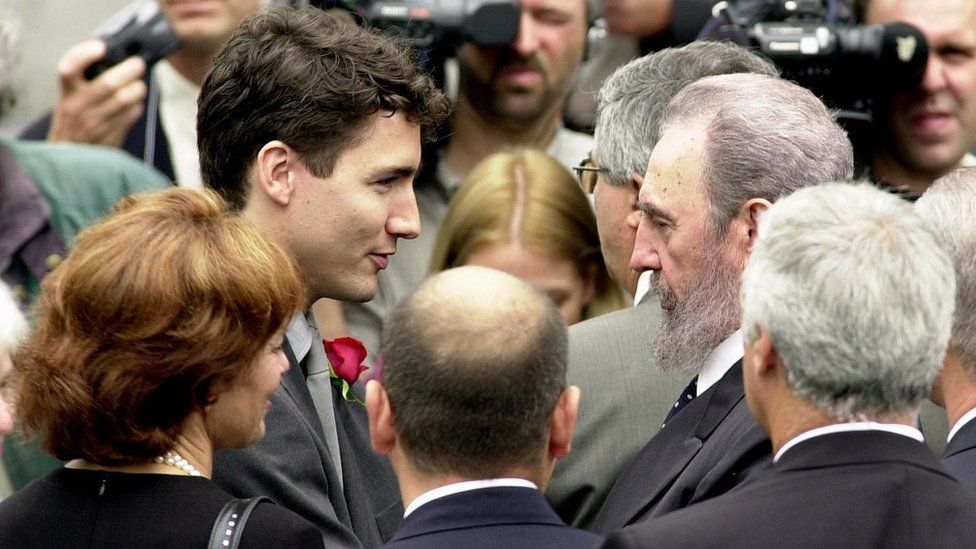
x=625, y=394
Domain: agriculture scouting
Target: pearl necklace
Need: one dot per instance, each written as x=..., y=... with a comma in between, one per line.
x=173, y=459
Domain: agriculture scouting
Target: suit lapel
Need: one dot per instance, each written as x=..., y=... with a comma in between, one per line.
x=666, y=456
x=293, y=383
x=964, y=439
x=372, y=493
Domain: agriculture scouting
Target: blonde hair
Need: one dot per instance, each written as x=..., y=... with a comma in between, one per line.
x=527, y=197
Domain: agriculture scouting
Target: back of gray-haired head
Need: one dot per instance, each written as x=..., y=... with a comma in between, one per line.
x=632, y=98
x=856, y=293
x=765, y=138
x=950, y=205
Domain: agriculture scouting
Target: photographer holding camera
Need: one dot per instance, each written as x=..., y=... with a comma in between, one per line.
x=901, y=74
x=149, y=112
x=925, y=132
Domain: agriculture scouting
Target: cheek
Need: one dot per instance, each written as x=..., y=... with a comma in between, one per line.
x=962, y=82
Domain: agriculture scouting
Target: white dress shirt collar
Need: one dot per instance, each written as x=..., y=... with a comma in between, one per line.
x=466, y=486
x=721, y=360
x=300, y=335
x=895, y=428
x=643, y=286
x=966, y=418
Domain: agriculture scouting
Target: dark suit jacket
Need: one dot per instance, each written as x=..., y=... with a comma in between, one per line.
x=292, y=465
x=960, y=455
x=711, y=446
x=490, y=518
x=855, y=489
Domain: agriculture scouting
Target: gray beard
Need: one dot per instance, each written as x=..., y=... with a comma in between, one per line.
x=696, y=324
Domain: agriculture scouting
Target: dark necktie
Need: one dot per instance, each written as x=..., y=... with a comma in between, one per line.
x=686, y=396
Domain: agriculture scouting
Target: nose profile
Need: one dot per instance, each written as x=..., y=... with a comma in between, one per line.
x=645, y=256
x=404, y=220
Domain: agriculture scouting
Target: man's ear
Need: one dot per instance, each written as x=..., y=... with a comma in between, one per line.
x=563, y=423
x=750, y=212
x=275, y=170
x=381, y=433
x=766, y=360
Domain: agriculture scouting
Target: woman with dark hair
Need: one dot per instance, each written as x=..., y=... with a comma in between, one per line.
x=157, y=343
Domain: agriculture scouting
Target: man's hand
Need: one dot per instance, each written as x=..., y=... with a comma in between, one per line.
x=638, y=18
x=102, y=110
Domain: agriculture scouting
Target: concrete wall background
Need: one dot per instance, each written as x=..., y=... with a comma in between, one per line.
x=47, y=29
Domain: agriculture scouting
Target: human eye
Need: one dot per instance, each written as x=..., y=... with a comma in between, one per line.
x=553, y=17
x=956, y=53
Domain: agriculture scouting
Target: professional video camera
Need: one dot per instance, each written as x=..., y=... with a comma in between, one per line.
x=435, y=28
x=426, y=24
x=817, y=44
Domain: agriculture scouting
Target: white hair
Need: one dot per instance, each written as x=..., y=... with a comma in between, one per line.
x=856, y=292
x=950, y=205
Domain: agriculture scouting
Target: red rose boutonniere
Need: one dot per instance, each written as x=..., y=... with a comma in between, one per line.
x=346, y=356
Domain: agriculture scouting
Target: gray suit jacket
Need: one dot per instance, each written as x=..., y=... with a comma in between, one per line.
x=625, y=397
x=292, y=466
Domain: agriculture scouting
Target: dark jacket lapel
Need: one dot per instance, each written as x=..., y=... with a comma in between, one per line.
x=293, y=383
x=964, y=439
x=371, y=489
x=663, y=459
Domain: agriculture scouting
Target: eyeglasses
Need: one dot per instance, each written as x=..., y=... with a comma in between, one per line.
x=587, y=174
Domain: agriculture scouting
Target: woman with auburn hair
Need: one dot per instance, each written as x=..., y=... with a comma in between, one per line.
x=523, y=213
x=157, y=343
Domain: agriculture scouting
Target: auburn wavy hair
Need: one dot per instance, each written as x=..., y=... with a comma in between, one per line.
x=160, y=307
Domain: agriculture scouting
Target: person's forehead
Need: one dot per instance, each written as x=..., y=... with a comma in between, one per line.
x=933, y=17
x=675, y=163
x=569, y=6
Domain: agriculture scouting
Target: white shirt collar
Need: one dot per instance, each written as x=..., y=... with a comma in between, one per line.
x=895, y=428
x=300, y=335
x=466, y=486
x=643, y=286
x=966, y=418
x=721, y=360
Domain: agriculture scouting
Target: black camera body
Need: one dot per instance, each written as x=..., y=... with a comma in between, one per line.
x=853, y=68
x=140, y=29
x=847, y=65
x=436, y=24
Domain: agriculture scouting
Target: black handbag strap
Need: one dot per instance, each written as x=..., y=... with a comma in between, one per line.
x=229, y=526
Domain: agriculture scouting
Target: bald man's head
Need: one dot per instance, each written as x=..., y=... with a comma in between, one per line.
x=473, y=363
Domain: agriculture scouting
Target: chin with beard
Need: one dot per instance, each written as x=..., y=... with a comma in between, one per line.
x=506, y=105
x=696, y=323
